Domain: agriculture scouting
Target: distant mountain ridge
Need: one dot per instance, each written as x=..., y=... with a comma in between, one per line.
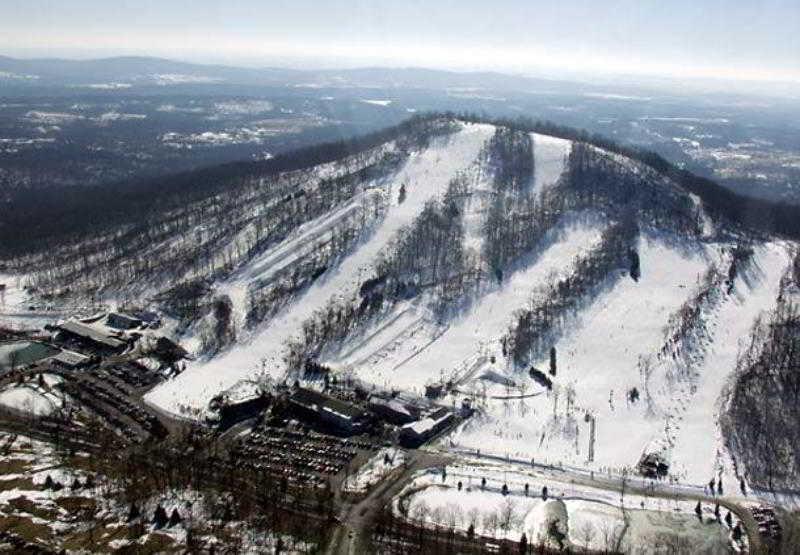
x=141, y=70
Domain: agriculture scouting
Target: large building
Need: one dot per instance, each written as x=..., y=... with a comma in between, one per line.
x=337, y=414
x=91, y=337
x=392, y=410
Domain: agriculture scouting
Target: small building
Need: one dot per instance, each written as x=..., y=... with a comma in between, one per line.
x=652, y=465
x=541, y=378
x=149, y=318
x=434, y=391
x=417, y=433
x=337, y=414
x=120, y=321
x=71, y=360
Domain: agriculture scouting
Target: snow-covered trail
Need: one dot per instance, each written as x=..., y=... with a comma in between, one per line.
x=549, y=158
x=426, y=176
x=598, y=358
x=412, y=360
x=698, y=444
x=296, y=246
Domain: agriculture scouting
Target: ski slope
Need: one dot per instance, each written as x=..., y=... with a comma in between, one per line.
x=298, y=245
x=598, y=360
x=550, y=155
x=426, y=176
x=601, y=358
x=698, y=452
x=415, y=349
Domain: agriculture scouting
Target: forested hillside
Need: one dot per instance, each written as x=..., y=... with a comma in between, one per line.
x=596, y=286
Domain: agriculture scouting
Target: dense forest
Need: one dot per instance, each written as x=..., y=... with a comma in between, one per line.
x=35, y=221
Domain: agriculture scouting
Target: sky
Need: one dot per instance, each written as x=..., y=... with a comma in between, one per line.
x=730, y=39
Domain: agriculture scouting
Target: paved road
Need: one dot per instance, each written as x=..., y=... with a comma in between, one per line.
x=353, y=534
x=638, y=486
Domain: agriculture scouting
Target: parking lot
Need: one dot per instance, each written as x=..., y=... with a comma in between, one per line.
x=302, y=456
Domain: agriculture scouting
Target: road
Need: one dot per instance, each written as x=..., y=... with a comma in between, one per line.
x=635, y=486
x=353, y=534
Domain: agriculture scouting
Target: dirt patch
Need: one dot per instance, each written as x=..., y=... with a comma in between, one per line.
x=25, y=528
x=18, y=483
x=76, y=505
x=14, y=466
x=24, y=505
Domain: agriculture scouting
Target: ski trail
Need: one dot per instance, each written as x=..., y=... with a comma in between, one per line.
x=426, y=176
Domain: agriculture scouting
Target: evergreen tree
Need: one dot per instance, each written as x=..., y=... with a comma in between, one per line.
x=544, y=493
x=133, y=512
x=737, y=532
x=174, y=518
x=552, y=361
x=698, y=510
x=635, y=264
x=160, y=518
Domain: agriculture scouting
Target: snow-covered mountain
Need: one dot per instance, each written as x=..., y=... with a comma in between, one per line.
x=593, y=308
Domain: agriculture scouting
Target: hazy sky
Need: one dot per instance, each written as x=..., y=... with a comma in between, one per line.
x=716, y=38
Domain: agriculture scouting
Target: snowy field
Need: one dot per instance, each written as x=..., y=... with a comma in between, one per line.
x=374, y=470
x=426, y=175
x=596, y=518
x=33, y=399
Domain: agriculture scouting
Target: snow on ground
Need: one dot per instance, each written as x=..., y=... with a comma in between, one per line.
x=550, y=156
x=698, y=451
x=28, y=400
x=16, y=303
x=646, y=528
x=426, y=176
x=377, y=102
x=596, y=516
x=597, y=362
x=374, y=470
x=413, y=349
